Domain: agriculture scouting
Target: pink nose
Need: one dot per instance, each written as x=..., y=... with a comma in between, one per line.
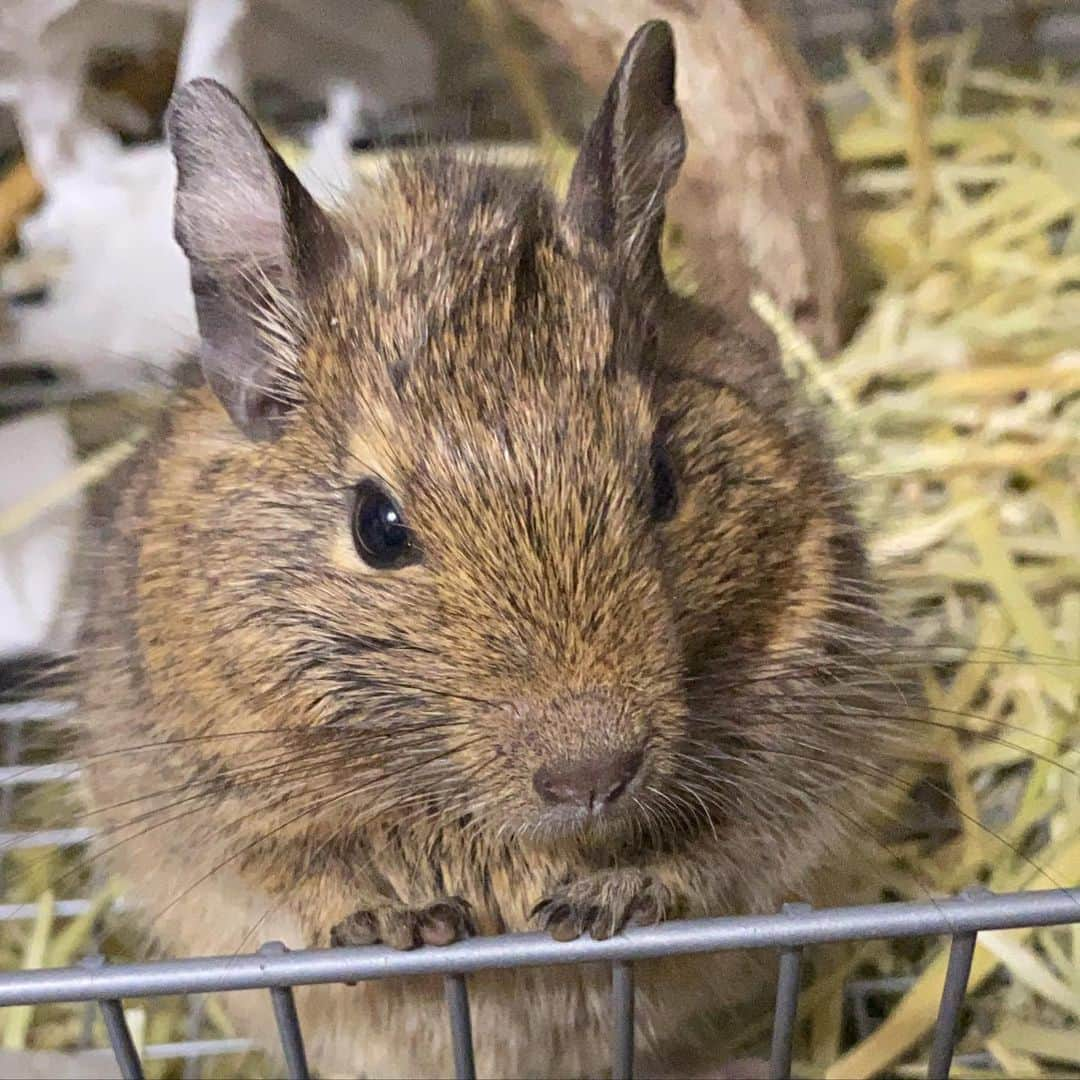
x=591, y=784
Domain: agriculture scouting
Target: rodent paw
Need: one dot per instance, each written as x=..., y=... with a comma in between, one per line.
x=605, y=903
x=400, y=927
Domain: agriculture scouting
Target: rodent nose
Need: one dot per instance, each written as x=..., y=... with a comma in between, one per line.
x=591, y=784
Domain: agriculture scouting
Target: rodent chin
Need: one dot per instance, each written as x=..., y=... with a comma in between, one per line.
x=578, y=823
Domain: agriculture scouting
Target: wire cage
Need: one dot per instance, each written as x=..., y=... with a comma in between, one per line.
x=277, y=970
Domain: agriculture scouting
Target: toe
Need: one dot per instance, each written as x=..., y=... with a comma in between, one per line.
x=399, y=928
x=566, y=921
x=359, y=928
x=445, y=922
x=607, y=923
x=644, y=911
x=568, y=929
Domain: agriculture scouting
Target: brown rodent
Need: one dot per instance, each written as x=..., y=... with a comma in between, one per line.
x=477, y=583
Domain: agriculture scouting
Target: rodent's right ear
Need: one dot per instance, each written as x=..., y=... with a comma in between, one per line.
x=631, y=155
x=259, y=248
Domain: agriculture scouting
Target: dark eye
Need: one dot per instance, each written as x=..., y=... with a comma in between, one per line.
x=665, y=490
x=379, y=531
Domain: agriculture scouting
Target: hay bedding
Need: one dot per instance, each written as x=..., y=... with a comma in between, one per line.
x=960, y=396
x=958, y=402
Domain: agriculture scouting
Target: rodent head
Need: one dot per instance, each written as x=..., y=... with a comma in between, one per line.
x=477, y=508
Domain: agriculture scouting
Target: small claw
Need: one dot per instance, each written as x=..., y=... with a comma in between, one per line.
x=551, y=911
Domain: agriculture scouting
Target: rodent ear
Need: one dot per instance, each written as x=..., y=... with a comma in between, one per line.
x=631, y=154
x=259, y=247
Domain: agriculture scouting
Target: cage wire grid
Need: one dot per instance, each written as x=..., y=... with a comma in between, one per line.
x=277, y=970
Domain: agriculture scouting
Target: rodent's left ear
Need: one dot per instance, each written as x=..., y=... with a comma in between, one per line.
x=259, y=248
x=631, y=155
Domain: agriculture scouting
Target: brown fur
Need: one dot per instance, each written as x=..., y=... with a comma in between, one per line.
x=278, y=736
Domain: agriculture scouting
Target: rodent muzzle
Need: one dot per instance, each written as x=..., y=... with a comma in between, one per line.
x=591, y=785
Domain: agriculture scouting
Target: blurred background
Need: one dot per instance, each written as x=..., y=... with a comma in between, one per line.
x=956, y=392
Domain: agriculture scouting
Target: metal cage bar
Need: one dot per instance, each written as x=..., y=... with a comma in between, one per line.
x=953, y=993
x=278, y=970
x=457, y=1000
x=127, y=1057
x=622, y=1029
x=787, y=1003
x=288, y=1023
x=1049, y=907
x=116, y=1026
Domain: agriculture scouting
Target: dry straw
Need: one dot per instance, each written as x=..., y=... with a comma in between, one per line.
x=959, y=397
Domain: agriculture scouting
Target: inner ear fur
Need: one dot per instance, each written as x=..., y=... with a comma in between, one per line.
x=259, y=248
x=631, y=156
